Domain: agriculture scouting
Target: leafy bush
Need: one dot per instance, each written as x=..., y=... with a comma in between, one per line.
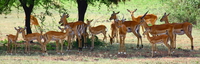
x=184, y=10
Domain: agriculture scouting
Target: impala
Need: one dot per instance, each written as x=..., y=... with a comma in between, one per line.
x=180, y=28
x=114, y=29
x=150, y=17
x=122, y=35
x=131, y=26
x=157, y=40
x=160, y=30
x=78, y=29
x=56, y=36
x=34, y=22
x=96, y=30
x=30, y=37
x=12, y=40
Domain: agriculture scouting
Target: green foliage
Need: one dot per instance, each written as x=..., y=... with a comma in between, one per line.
x=184, y=10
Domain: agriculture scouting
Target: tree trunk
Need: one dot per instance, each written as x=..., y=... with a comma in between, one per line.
x=82, y=7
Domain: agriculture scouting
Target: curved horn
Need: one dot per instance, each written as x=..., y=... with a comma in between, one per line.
x=144, y=15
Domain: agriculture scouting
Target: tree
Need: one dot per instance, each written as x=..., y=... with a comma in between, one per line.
x=184, y=10
x=82, y=6
x=28, y=6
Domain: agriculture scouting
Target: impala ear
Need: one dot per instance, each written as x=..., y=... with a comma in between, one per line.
x=15, y=28
x=59, y=27
x=135, y=10
x=168, y=14
x=128, y=10
x=164, y=13
x=113, y=12
x=117, y=12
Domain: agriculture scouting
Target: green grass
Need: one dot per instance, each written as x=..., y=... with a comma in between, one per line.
x=102, y=54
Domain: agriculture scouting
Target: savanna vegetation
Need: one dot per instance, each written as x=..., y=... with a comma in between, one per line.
x=48, y=16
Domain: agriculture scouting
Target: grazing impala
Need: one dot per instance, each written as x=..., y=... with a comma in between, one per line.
x=12, y=40
x=96, y=30
x=180, y=28
x=122, y=35
x=34, y=22
x=160, y=30
x=78, y=28
x=30, y=37
x=131, y=26
x=157, y=40
x=56, y=36
x=150, y=17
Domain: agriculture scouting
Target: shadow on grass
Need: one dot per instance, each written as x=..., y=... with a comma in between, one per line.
x=108, y=51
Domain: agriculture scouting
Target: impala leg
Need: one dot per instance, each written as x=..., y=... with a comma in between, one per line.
x=57, y=47
x=93, y=36
x=8, y=47
x=104, y=33
x=168, y=46
x=124, y=47
x=61, y=49
x=69, y=43
x=152, y=48
x=191, y=39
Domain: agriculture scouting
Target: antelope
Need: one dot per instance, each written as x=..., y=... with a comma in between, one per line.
x=114, y=29
x=56, y=36
x=12, y=40
x=96, y=30
x=131, y=26
x=78, y=29
x=30, y=37
x=34, y=22
x=159, y=30
x=157, y=40
x=180, y=28
x=150, y=17
x=122, y=35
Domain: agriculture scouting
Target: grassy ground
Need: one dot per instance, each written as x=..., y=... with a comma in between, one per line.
x=102, y=54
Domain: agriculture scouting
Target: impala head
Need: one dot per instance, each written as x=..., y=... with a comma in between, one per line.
x=119, y=22
x=164, y=17
x=132, y=12
x=18, y=30
x=63, y=19
x=113, y=15
x=89, y=21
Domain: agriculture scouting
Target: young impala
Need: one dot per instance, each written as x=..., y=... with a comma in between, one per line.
x=122, y=35
x=12, y=40
x=180, y=28
x=157, y=40
x=30, y=37
x=56, y=36
x=160, y=30
x=150, y=18
x=131, y=26
x=78, y=29
x=96, y=30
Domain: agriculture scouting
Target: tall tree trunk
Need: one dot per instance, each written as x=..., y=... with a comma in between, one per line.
x=27, y=10
x=82, y=7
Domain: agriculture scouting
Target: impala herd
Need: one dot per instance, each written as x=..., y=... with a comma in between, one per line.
x=119, y=28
